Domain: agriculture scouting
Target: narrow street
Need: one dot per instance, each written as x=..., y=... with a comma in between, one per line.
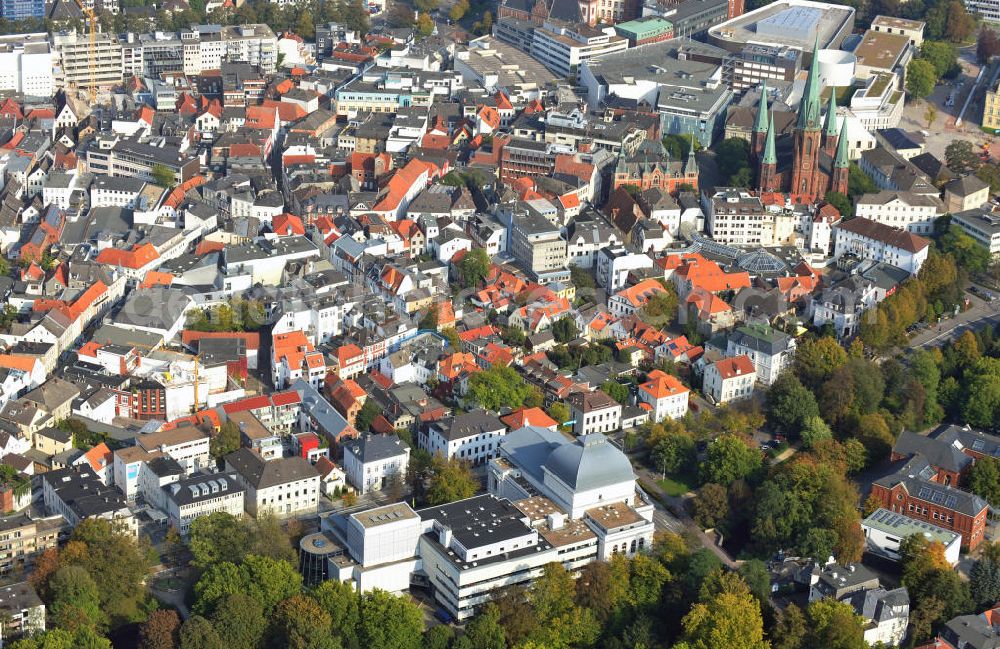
x=981, y=314
x=676, y=519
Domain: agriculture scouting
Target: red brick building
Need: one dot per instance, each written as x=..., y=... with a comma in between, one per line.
x=914, y=490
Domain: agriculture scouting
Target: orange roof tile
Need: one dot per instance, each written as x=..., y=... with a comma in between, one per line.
x=641, y=293
x=661, y=385
x=14, y=362
x=262, y=117
x=709, y=276
x=528, y=417
x=349, y=353
x=99, y=457
x=205, y=247
x=156, y=278
x=288, y=224
x=245, y=149
x=736, y=366
x=136, y=258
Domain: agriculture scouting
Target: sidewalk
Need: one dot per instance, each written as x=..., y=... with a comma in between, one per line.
x=677, y=507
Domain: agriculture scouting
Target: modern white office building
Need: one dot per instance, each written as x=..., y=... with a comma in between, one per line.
x=982, y=226
x=26, y=65
x=885, y=530
x=871, y=240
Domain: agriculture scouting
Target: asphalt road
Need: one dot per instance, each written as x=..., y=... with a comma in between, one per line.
x=980, y=315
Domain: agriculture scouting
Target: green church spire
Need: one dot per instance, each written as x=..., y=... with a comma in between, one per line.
x=769, y=155
x=831, y=114
x=809, y=109
x=842, y=160
x=761, y=124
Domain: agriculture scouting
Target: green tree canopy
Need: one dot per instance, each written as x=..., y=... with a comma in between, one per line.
x=943, y=56
x=841, y=202
x=198, y=633
x=710, y=506
x=267, y=580
x=499, y=386
x=984, y=479
x=300, y=622
x=160, y=630
x=817, y=359
x=616, y=391
x=163, y=176
x=920, y=78
x=789, y=404
x=239, y=621
x=369, y=411
x=732, y=155
x=389, y=622
x=451, y=480
x=730, y=458
x=984, y=582
x=473, y=267
x=835, y=625
x=564, y=329
x=225, y=441
x=730, y=618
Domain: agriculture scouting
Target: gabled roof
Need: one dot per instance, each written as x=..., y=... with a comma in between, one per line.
x=733, y=367
x=661, y=385
x=136, y=258
x=887, y=234
x=528, y=417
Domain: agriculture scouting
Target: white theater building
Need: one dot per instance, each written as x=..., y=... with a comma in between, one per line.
x=551, y=499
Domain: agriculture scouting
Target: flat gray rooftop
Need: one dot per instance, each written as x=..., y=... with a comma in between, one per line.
x=794, y=23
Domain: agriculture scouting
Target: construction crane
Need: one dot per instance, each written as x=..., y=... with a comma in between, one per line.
x=92, y=27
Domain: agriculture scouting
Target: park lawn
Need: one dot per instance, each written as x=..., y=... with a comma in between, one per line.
x=677, y=484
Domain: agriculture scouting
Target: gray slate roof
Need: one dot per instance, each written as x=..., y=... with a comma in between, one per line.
x=372, y=448
x=262, y=474
x=589, y=462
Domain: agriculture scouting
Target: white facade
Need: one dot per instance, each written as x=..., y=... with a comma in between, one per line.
x=603, y=419
x=206, y=47
x=188, y=446
x=737, y=217
x=476, y=449
x=885, y=530
x=727, y=381
x=913, y=212
x=861, y=238
x=283, y=487
x=200, y=496
x=879, y=105
x=26, y=66
x=771, y=352
x=563, y=51
x=371, y=475
x=982, y=226
x=614, y=265
x=666, y=396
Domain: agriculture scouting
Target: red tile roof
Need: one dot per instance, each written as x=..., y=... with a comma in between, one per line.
x=136, y=258
x=735, y=366
x=288, y=224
